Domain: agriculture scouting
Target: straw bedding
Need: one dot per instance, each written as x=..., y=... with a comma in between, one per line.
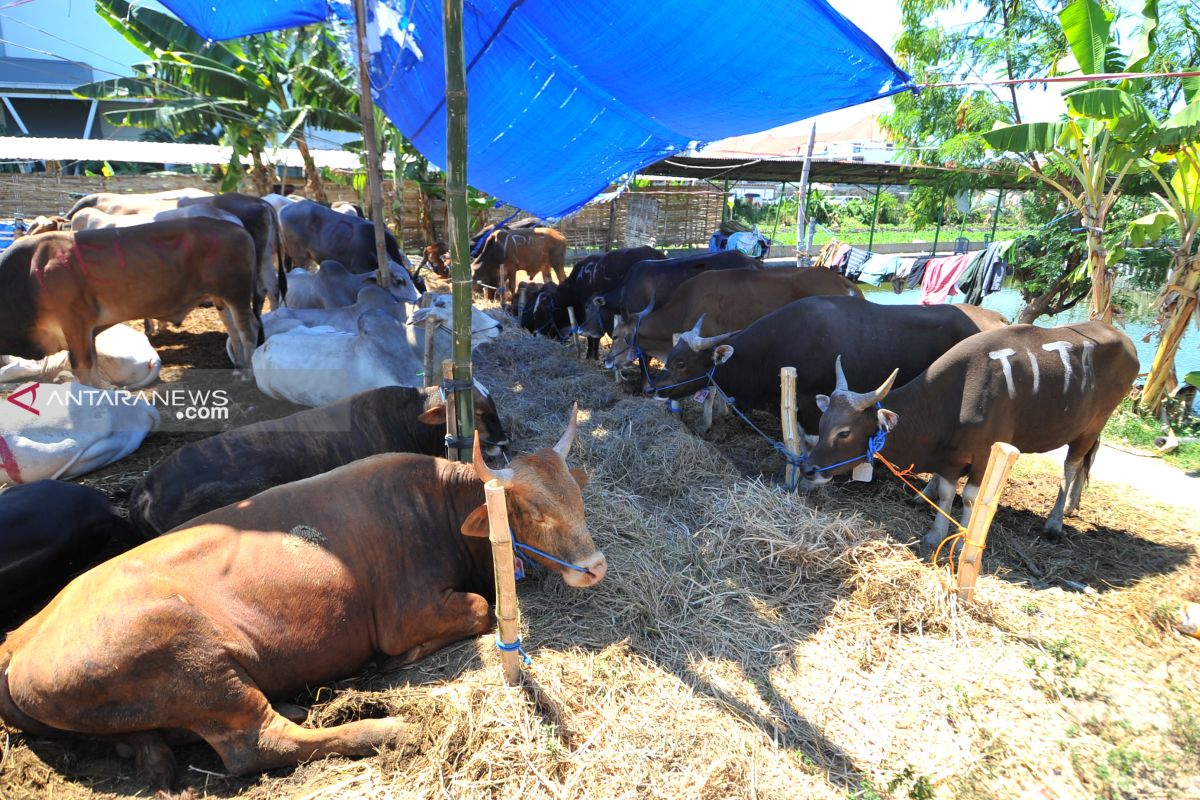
x=750, y=643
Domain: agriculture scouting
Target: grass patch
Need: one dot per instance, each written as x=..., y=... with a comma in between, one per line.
x=1131, y=427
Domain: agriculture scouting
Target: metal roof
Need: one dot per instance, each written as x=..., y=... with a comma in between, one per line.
x=789, y=169
x=32, y=148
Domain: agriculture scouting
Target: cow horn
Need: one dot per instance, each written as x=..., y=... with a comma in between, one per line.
x=485, y=473
x=564, y=444
x=885, y=387
x=840, y=375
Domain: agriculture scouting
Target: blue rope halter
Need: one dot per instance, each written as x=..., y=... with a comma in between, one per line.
x=874, y=445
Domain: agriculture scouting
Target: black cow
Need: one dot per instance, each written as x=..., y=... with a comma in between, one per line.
x=49, y=532
x=809, y=334
x=657, y=280
x=198, y=477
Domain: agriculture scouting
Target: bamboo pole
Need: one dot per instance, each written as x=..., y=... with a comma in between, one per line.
x=1000, y=463
x=508, y=622
x=458, y=221
x=874, y=215
x=453, y=452
x=366, y=111
x=787, y=415
x=431, y=324
x=574, y=330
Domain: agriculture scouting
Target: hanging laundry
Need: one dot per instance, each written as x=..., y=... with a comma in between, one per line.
x=917, y=272
x=827, y=254
x=855, y=261
x=985, y=276
x=878, y=269
x=941, y=275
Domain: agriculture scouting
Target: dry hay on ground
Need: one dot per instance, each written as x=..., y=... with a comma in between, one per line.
x=752, y=643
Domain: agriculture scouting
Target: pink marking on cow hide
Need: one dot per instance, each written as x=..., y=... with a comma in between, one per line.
x=9, y=462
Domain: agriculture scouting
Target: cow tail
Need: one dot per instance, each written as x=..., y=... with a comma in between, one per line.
x=279, y=264
x=1086, y=466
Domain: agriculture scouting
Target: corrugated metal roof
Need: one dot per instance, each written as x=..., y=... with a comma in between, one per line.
x=32, y=148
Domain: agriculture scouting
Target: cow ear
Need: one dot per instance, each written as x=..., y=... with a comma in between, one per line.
x=722, y=353
x=477, y=523
x=822, y=402
x=580, y=477
x=887, y=419
x=435, y=415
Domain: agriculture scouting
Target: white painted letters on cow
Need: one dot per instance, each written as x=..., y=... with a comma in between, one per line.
x=1089, y=374
x=1002, y=356
x=1034, y=368
x=1064, y=352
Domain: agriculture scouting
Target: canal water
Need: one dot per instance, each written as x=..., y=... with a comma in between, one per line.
x=1008, y=302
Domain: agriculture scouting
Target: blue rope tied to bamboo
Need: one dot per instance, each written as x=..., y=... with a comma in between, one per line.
x=515, y=646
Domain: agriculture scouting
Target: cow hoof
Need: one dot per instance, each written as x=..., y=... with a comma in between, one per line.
x=1052, y=532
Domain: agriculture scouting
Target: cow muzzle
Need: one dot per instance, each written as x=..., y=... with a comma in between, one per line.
x=814, y=475
x=596, y=566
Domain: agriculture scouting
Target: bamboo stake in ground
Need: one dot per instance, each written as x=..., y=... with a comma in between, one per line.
x=574, y=330
x=787, y=416
x=431, y=324
x=508, y=623
x=1000, y=463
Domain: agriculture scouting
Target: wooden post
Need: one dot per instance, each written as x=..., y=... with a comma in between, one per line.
x=802, y=250
x=1000, y=463
x=366, y=112
x=431, y=324
x=574, y=330
x=787, y=415
x=508, y=622
x=452, y=413
x=610, y=239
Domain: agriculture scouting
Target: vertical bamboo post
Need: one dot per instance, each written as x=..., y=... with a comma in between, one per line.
x=508, y=622
x=431, y=324
x=802, y=202
x=451, y=395
x=574, y=330
x=1000, y=463
x=457, y=217
x=787, y=415
x=366, y=111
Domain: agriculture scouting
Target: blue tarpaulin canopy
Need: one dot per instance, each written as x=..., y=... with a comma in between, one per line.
x=566, y=97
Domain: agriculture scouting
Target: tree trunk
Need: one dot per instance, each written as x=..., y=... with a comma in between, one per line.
x=1061, y=296
x=259, y=174
x=1102, y=287
x=1179, y=308
x=426, y=216
x=314, y=188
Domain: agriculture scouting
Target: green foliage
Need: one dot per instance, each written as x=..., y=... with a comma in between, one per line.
x=1135, y=427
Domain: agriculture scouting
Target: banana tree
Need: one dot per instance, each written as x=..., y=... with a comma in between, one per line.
x=1178, y=146
x=1093, y=150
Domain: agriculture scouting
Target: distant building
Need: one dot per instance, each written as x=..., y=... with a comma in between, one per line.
x=863, y=140
x=48, y=48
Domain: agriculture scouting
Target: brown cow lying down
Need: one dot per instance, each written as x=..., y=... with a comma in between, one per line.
x=298, y=586
x=197, y=478
x=58, y=289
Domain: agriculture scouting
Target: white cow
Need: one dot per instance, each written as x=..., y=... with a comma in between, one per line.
x=87, y=219
x=64, y=430
x=278, y=201
x=317, y=366
x=334, y=286
x=124, y=356
x=439, y=306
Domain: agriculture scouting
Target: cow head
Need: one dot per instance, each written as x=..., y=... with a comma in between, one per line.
x=545, y=509
x=487, y=418
x=543, y=312
x=624, y=338
x=690, y=361
x=597, y=317
x=848, y=421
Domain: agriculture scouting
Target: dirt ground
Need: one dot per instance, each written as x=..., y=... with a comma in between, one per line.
x=748, y=642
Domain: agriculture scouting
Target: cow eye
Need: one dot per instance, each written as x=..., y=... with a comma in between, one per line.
x=844, y=434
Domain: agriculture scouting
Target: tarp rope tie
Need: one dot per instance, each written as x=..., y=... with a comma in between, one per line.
x=514, y=647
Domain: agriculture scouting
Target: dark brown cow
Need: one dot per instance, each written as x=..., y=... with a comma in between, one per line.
x=197, y=477
x=258, y=217
x=298, y=586
x=721, y=301
x=57, y=290
x=536, y=251
x=1035, y=388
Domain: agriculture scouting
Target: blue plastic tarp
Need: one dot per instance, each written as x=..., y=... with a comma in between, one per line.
x=566, y=97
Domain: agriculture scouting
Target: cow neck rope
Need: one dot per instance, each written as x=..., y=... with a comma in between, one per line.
x=519, y=545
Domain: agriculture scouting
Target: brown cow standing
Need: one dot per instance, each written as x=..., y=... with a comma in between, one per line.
x=57, y=290
x=536, y=251
x=201, y=629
